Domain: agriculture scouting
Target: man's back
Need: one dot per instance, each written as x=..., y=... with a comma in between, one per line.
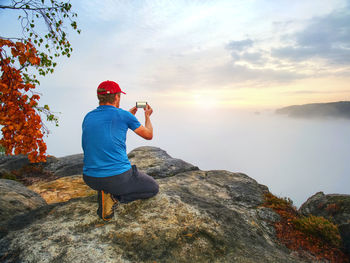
x=103, y=140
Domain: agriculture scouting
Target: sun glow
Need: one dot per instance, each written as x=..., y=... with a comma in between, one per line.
x=205, y=101
x=298, y=92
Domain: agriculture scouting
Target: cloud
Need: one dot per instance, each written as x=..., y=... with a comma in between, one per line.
x=245, y=51
x=253, y=57
x=326, y=37
x=220, y=76
x=319, y=48
x=316, y=91
x=253, y=65
x=162, y=47
x=234, y=75
x=239, y=45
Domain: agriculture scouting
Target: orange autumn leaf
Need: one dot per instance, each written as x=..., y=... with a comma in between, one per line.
x=22, y=59
x=21, y=124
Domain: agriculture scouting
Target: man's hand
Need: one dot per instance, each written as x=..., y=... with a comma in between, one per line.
x=146, y=131
x=133, y=110
x=148, y=111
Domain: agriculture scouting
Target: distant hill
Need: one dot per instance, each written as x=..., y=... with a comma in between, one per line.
x=339, y=109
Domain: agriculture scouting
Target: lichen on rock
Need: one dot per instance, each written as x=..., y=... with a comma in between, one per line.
x=62, y=189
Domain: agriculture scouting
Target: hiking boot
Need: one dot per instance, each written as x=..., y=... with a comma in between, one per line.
x=106, y=205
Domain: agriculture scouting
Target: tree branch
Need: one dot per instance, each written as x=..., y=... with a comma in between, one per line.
x=12, y=38
x=29, y=8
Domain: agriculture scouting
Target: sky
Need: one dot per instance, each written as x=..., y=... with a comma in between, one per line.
x=221, y=54
x=196, y=62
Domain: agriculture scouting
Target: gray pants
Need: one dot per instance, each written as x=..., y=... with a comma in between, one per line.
x=126, y=187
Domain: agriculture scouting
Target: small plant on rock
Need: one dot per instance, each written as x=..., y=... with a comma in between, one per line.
x=314, y=234
x=319, y=227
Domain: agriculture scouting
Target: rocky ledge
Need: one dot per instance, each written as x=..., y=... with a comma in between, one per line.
x=198, y=216
x=336, y=208
x=151, y=160
x=53, y=168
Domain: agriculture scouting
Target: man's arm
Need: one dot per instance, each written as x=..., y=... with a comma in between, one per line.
x=146, y=131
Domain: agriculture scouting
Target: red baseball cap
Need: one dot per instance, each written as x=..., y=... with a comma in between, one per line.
x=110, y=87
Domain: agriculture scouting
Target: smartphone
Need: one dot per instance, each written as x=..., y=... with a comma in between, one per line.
x=141, y=104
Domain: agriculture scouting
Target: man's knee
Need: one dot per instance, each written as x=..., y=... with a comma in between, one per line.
x=155, y=188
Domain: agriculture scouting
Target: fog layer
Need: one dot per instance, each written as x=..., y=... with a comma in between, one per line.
x=293, y=157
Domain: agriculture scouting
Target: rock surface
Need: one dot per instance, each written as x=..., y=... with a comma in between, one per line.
x=52, y=168
x=334, y=207
x=12, y=162
x=198, y=216
x=195, y=218
x=16, y=199
x=62, y=189
x=151, y=160
x=157, y=163
x=65, y=166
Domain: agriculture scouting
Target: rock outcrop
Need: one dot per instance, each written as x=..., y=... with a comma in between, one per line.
x=198, y=216
x=151, y=160
x=16, y=199
x=52, y=169
x=65, y=166
x=195, y=218
x=157, y=163
x=334, y=207
x=14, y=162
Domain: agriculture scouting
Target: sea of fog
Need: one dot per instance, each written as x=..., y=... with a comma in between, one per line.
x=294, y=157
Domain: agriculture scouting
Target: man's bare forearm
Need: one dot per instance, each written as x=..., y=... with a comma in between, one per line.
x=148, y=125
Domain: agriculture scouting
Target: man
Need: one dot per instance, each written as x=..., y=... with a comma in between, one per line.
x=106, y=165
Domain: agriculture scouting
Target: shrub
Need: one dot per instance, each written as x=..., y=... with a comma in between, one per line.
x=319, y=227
x=280, y=205
x=314, y=234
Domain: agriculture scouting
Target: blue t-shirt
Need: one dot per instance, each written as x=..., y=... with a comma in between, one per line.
x=103, y=141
